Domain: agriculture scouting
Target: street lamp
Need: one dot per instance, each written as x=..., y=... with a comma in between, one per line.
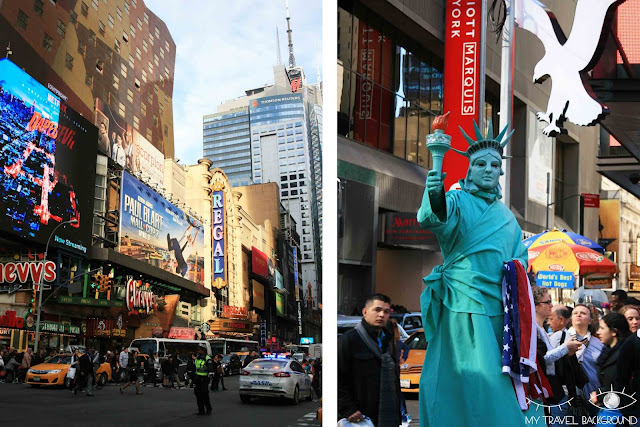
x=41, y=278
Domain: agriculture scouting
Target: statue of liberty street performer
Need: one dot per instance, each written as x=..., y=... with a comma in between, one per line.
x=462, y=382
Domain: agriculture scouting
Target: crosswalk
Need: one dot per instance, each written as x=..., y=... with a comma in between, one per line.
x=307, y=420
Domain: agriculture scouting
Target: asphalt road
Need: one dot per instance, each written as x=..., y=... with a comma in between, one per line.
x=23, y=405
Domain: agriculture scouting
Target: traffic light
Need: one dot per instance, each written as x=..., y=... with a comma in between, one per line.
x=32, y=302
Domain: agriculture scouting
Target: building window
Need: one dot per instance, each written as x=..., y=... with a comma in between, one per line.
x=125, y=37
x=38, y=6
x=111, y=21
x=101, y=28
x=82, y=48
x=116, y=82
x=150, y=97
x=166, y=45
x=126, y=6
x=92, y=38
x=121, y=109
x=151, y=39
x=166, y=130
x=143, y=108
x=139, y=22
x=73, y=17
x=88, y=80
x=155, y=120
x=68, y=62
x=109, y=56
x=131, y=62
x=47, y=42
x=144, y=46
x=138, y=53
x=157, y=33
x=144, y=76
x=162, y=53
x=137, y=84
x=62, y=28
x=119, y=14
x=132, y=31
x=134, y=3
x=123, y=70
x=84, y=9
x=99, y=66
x=94, y=3
x=146, y=18
x=116, y=45
x=136, y=123
x=149, y=135
x=150, y=69
x=166, y=72
x=156, y=60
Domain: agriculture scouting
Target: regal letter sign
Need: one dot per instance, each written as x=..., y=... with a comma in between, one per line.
x=219, y=264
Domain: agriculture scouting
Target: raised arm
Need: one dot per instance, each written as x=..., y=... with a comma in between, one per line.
x=433, y=201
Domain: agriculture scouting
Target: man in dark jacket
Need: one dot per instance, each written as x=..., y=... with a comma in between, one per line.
x=368, y=370
x=84, y=371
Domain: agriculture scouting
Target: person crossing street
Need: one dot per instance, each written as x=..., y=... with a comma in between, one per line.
x=204, y=366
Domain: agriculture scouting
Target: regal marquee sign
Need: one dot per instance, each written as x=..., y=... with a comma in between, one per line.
x=219, y=234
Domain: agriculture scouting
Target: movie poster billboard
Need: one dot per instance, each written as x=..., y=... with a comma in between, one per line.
x=118, y=140
x=45, y=148
x=155, y=231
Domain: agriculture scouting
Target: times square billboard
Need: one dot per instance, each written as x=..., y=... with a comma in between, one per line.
x=154, y=231
x=45, y=148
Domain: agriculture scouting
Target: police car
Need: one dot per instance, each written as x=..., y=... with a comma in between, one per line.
x=275, y=376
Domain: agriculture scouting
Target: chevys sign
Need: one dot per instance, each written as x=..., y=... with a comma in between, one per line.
x=138, y=297
x=24, y=272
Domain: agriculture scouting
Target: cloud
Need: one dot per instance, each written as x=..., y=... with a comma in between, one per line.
x=224, y=48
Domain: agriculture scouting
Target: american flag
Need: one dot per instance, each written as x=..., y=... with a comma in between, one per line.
x=519, y=335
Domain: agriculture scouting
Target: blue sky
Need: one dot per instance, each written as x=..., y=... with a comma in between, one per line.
x=224, y=48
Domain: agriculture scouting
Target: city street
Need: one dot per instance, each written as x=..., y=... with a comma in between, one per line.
x=156, y=407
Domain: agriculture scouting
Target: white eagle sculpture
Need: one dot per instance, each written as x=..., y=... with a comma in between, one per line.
x=567, y=61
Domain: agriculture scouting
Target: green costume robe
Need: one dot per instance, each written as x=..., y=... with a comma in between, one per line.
x=462, y=383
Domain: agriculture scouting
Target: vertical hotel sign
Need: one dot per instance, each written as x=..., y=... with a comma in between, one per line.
x=219, y=233
x=461, y=78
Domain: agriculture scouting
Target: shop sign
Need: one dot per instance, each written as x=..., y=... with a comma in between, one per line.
x=295, y=268
x=24, y=272
x=182, y=333
x=59, y=328
x=138, y=297
x=462, y=77
x=598, y=281
x=279, y=304
x=65, y=299
x=119, y=333
x=591, y=200
x=306, y=340
x=258, y=295
x=403, y=228
x=259, y=263
x=231, y=325
x=10, y=320
x=634, y=272
x=232, y=311
x=219, y=258
x=100, y=327
x=279, y=280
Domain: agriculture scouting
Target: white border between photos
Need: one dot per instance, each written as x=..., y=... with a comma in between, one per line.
x=330, y=214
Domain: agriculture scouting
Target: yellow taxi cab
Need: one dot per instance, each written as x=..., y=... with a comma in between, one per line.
x=53, y=372
x=411, y=369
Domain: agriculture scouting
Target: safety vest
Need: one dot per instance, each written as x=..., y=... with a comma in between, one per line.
x=201, y=366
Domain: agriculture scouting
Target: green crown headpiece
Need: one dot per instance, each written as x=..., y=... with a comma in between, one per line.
x=485, y=142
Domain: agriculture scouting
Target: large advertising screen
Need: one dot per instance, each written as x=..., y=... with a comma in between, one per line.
x=120, y=141
x=45, y=148
x=155, y=231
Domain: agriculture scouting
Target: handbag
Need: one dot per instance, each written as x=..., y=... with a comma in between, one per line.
x=366, y=422
x=71, y=373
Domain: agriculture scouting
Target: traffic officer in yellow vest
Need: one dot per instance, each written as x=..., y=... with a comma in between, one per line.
x=204, y=366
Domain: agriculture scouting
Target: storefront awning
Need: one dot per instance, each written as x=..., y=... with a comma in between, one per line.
x=188, y=290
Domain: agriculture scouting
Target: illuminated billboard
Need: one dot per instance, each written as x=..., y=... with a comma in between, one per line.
x=118, y=140
x=155, y=231
x=45, y=148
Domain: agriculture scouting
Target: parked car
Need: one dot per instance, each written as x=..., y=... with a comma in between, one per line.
x=410, y=322
x=282, y=378
x=411, y=369
x=231, y=364
x=349, y=322
x=53, y=372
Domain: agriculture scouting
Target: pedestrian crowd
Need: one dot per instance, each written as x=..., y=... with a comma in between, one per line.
x=590, y=357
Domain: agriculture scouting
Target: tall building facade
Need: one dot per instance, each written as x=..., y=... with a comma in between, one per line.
x=227, y=143
x=115, y=53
